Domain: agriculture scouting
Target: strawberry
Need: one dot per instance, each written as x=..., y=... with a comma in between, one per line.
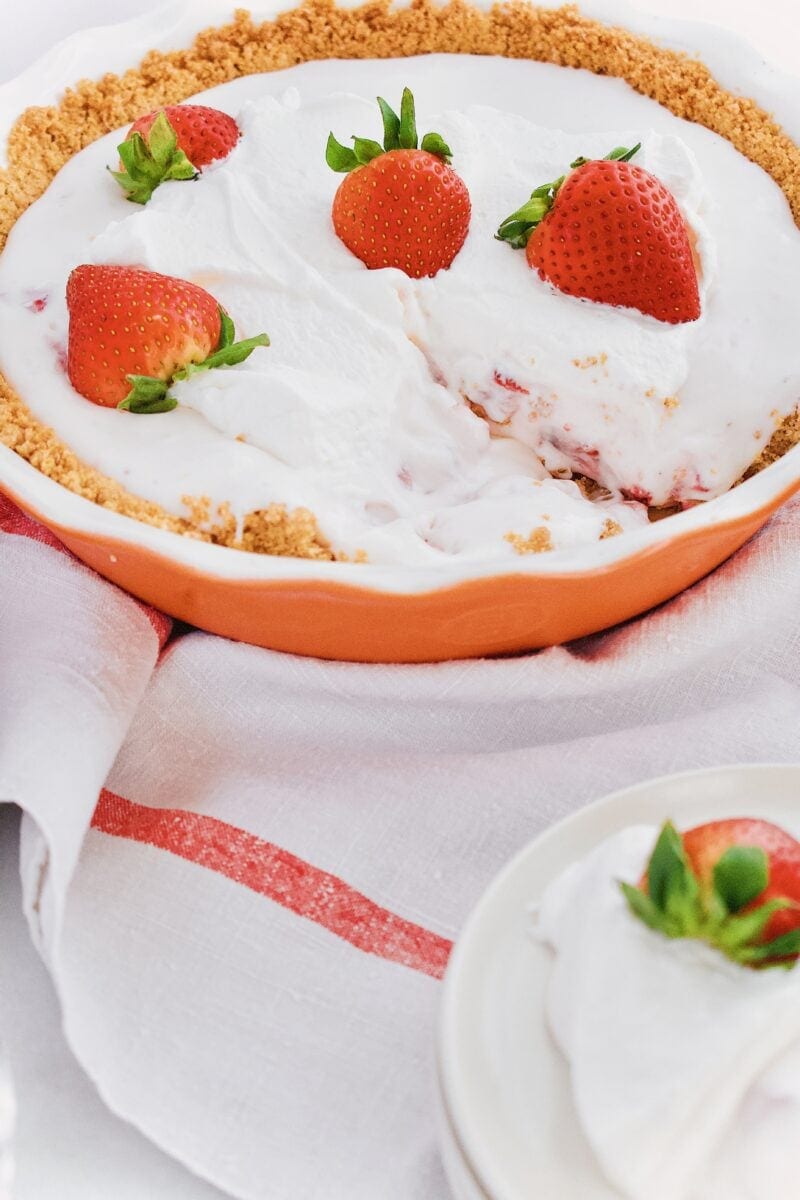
x=133, y=332
x=612, y=233
x=707, y=844
x=172, y=143
x=734, y=884
x=400, y=205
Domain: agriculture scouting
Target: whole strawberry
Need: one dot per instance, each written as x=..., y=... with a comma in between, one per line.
x=133, y=332
x=610, y=232
x=707, y=845
x=734, y=884
x=172, y=143
x=399, y=206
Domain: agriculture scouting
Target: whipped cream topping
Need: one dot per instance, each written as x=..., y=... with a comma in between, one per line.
x=357, y=411
x=685, y=1067
x=664, y=413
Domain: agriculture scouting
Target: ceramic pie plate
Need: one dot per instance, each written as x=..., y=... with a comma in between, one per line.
x=507, y=1124
x=369, y=612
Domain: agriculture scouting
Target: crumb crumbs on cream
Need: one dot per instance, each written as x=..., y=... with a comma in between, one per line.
x=593, y=360
x=537, y=542
x=610, y=529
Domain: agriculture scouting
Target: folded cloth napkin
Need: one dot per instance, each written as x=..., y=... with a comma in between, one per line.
x=245, y=869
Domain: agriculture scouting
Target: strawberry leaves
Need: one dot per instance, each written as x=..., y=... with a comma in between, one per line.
x=340, y=158
x=646, y=910
x=434, y=143
x=787, y=946
x=619, y=154
x=673, y=884
x=149, y=395
x=225, y=356
x=365, y=150
x=407, y=129
x=672, y=896
x=391, y=125
x=674, y=903
x=399, y=133
x=147, y=162
x=741, y=875
x=517, y=228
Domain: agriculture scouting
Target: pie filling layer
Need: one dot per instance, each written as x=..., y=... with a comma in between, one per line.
x=417, y=419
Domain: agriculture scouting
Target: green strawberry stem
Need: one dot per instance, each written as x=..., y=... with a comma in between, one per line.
x=517, y=228
x=151, y=395
x=147, y=162
x=677, y=905
x=399, y=133
x=147, y=395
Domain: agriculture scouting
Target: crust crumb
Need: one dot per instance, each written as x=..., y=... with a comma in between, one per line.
x=537, y=542
x=783, y=439
x=591, y=489
x=593, y=360
x=278, y=530
x=274, y=530
x=610, y=529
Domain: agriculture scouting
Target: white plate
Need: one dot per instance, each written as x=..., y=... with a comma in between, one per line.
x=509, y=1128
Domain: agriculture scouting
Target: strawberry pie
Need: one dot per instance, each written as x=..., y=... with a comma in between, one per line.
x=507, y=309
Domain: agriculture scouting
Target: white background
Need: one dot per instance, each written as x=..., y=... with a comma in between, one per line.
x=69, y=1144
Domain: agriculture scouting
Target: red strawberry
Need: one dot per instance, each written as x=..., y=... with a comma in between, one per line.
x=204, y=134
x=400, y=206
x=706, y=845
x=172, y=143
x=612, y=233
x=132, y=332
x=734, y=884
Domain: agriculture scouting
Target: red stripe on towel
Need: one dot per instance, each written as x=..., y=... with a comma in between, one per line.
x=282, y=877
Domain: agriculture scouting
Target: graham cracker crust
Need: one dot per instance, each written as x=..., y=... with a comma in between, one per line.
x=43, y=139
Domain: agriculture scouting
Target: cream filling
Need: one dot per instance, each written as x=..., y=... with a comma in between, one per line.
x=357, y=410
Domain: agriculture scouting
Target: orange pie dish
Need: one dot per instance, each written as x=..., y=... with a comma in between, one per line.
x=475, y=442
